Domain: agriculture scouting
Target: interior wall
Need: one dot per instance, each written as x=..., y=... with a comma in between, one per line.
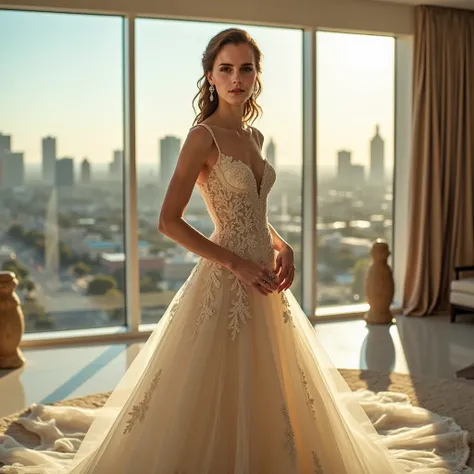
x=349, y=15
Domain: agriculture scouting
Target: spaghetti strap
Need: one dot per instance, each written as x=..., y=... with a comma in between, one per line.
x=209, y=129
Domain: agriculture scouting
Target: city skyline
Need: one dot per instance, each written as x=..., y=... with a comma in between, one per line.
x=49, y=151
x=80, y=170
x=82, y=105
x=350, y=173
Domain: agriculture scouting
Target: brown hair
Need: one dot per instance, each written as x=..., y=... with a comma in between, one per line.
x=206, y=108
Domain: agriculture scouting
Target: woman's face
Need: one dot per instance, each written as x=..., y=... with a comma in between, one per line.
x=234, y=73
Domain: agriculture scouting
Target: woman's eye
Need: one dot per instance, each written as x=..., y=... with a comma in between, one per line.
x=247, y=69
x=225, y=69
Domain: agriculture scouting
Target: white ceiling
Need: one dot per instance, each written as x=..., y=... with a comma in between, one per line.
x=467, y=4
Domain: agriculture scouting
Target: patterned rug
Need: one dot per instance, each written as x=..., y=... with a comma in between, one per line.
x=446, y=397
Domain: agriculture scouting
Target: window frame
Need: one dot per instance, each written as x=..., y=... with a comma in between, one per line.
x=133, y=329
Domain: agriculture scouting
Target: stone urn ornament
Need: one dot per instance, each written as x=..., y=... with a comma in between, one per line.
x=379, y=285
x=12, y=323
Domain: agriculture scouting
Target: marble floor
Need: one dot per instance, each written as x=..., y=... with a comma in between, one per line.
x=424, y=346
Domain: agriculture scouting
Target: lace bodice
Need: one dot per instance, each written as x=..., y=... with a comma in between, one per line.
x=237, y=205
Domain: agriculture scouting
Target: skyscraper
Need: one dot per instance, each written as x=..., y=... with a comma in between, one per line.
x=357, y=175
x=169, y=153
x=85, y=171
x=5, y=142
x=271, y=153
x=5, y=149
x=116, y=166
x=65, y=172
x=12, y=169
x=377, y=159
x=49, y=160
x=344, y=167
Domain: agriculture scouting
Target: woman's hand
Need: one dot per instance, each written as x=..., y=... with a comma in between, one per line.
x=255, y=275
x=285, y=268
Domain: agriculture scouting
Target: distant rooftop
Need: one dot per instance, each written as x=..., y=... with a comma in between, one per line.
x=120, y=257
x=6, y=251
x=105, y=244
x=113, y=257
x=86, y=221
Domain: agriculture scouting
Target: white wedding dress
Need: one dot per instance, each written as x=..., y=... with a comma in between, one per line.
x=235, y=382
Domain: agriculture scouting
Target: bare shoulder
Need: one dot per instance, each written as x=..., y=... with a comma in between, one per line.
x=259, y=136
x=199, y=138
x=196, y=147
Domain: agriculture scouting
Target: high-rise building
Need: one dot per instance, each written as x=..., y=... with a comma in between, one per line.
x=65, y=172
x=358, y=175
x=169, y=153
x=377, y=159
x=12, y=169
x=5, y=149
x=85, y=171
x=49, y=160
x=344, y=166
x=271, y=153
x=116, y=166
x=5, y=142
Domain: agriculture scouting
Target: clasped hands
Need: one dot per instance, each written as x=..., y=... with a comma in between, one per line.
x=263, y=279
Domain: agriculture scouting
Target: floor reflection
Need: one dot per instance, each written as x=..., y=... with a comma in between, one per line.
x=377, y=352
x=429, y=346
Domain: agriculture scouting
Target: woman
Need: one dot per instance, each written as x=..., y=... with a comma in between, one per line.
x=233, y=379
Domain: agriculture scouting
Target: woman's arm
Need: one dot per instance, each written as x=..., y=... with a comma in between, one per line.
x=193, y=156
x=278, y=242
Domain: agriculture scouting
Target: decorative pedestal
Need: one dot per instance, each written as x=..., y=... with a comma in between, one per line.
x=379, y=285
x=12, y=323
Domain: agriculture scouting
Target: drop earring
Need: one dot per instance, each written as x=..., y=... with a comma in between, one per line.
x=211, y=90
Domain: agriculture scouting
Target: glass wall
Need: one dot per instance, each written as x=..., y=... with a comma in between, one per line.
x=355, y=140
x=61, y=158
x=61, y=179
x=165, y=86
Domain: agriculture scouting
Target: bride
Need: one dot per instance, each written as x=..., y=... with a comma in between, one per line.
x=233, y=379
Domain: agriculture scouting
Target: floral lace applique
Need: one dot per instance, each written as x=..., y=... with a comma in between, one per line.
x=239, y=215
x=234, y=173
x=309, y=399
x=318, y=469
x=238, y=211
x=212, y=281
x=290, y=445
x=240, y=308
x=269, y=250
x=139, y=410
x=287, y=316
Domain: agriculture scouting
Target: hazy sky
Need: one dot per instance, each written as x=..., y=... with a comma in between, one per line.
x=61, y=75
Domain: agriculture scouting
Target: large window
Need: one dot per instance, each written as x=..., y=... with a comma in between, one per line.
x=355, y=140
x=165, y=86
x=61, y=180
x=62, y=160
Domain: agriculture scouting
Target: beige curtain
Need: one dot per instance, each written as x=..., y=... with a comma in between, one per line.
x=442, y=176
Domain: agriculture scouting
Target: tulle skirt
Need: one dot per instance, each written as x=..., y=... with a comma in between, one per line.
x=235, y=382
